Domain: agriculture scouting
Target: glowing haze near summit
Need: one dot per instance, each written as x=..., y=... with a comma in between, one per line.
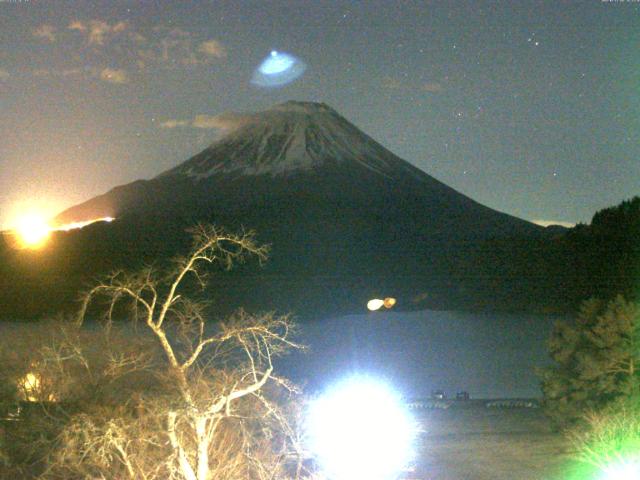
x=528, y=108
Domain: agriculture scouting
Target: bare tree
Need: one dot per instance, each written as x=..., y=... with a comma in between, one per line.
x=204, y=403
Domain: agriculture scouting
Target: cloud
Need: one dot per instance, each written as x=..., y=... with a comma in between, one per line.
x=72, y=72
x=213, y=48
x=114, y=75
x=65, y=72
x=174, y=123
x=100, y=31
x=159, y=47
x=77, y=25
x=546, y=223
x=174, y=47
x=4, y=74
x=225, y=121
x=45, y=32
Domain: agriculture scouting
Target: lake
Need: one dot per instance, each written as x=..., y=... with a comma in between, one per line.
x=489, y=355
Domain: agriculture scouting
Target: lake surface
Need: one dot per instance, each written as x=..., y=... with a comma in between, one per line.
x=488, y=355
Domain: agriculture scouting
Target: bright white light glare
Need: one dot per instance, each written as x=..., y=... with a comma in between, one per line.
x=360, y=430
x=278, y=69
x=626, y=470
x=277, y=63
x=375, y=304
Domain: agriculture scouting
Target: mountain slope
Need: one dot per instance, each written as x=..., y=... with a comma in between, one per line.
x=297, y=149
x=346, y=218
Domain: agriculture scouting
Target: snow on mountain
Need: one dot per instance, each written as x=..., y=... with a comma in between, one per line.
x=290, y=137
x=302, y=150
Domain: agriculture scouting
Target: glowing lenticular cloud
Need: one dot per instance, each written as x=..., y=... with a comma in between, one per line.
x=278, y=69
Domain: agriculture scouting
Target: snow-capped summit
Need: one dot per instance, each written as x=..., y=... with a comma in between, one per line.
x=295, y=152
x=289, y=137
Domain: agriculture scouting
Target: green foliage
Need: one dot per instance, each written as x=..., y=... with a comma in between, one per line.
x=609, y=441
x=596, y=360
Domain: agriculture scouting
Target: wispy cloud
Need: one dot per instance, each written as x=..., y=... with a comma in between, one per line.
x=77, y=25
x=114, y=75
x=175, y=47
x=118, y=49
x=66, y=72
x=173, y=123
x=546, y=223
x=224, y=123
x=99, y=31
x=213, y=48
x=45, y=32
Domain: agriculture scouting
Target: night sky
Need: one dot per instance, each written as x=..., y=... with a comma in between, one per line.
x=532, y=109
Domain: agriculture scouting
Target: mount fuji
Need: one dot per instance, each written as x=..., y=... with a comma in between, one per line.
x=347, y=219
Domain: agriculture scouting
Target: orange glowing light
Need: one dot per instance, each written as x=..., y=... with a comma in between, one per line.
x=389, y=302
x=32, y=230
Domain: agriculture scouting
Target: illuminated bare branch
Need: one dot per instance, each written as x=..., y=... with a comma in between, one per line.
x=212, y=413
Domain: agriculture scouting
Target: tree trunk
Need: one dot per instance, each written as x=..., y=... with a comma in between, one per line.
x=203, y=448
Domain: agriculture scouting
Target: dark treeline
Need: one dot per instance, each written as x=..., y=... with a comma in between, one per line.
x=556, y=273
x=549, y=272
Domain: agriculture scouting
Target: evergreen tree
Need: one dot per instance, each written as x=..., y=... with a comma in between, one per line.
x=596, y=360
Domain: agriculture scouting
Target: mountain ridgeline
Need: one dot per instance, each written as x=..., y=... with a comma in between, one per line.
x=347, y=221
